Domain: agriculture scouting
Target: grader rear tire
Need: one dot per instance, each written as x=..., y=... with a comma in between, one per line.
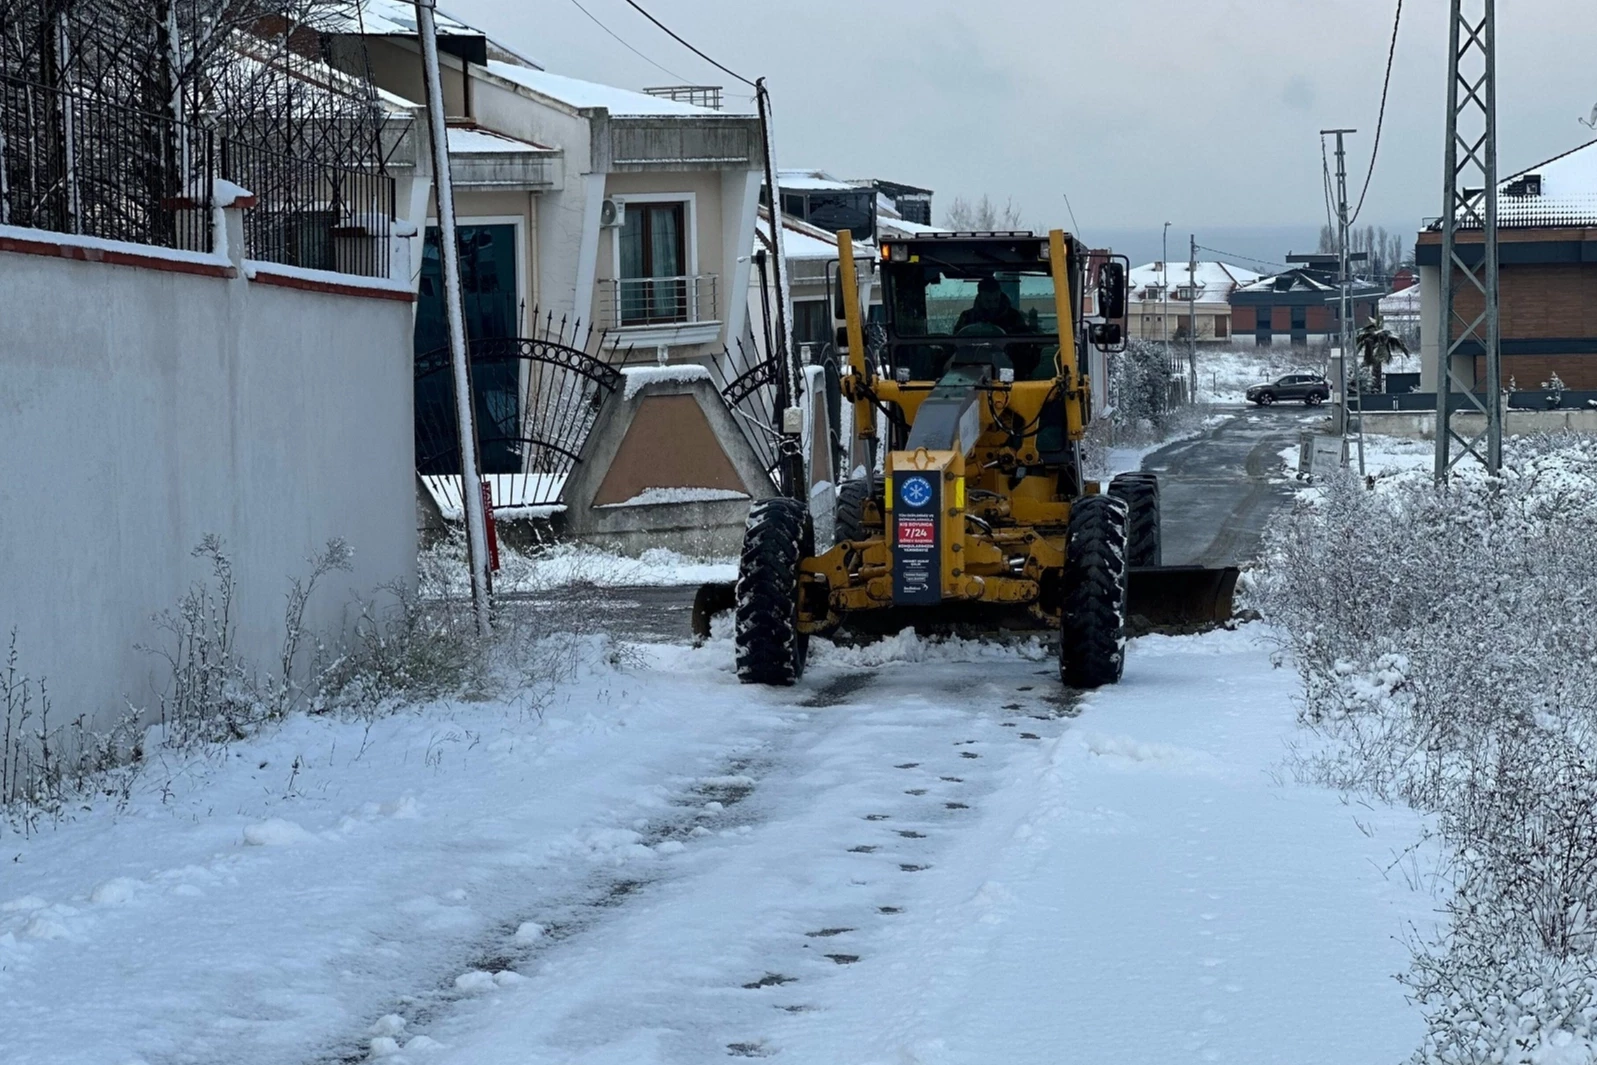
x=850, y=521
x=1092, y=643
x=770, y=648
x=1140, y=493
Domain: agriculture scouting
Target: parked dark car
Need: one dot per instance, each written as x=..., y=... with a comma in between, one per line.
x=1310, y=388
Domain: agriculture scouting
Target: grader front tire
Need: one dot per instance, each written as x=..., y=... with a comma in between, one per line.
x=770, y=647
x=1092, y=645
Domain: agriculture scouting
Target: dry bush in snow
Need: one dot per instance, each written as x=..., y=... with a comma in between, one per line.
x=1444, y=642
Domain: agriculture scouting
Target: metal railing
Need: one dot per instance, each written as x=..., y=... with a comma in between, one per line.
x=74, y=162
x=629, y=302
x=310, y=213
x=698, y=95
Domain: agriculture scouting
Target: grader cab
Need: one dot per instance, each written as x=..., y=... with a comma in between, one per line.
x=970, y=508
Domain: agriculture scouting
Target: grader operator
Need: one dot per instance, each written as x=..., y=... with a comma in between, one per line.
x=972, y=509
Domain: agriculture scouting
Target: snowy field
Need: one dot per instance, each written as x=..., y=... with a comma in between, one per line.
x=1224, y=376
x=925, y=853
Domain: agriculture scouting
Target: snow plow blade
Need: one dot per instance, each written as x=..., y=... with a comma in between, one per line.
x=1168, y=599
x=1178, y=599
x=714, y=598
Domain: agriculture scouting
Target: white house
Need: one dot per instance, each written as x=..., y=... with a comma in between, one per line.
x=1164, y=297
x=627, y=211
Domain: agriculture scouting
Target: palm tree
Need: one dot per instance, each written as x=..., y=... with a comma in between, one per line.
x=1377, y=343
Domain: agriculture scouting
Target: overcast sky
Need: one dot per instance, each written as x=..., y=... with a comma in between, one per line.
x=1202, y=113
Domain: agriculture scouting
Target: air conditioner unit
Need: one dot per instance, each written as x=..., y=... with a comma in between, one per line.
x=613, y=214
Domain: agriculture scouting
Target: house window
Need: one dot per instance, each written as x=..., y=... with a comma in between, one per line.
x=1186, y=294
x=854, y=211
x=653, y=285
x=1300, y=319
x=811, y=322
x=1262, y=319
x=793, y=206
x=1222, y=327
x=1151, y=293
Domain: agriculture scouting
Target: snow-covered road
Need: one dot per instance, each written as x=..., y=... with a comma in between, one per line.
x=924, y=853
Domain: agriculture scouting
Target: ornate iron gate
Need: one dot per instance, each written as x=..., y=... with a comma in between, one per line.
x=535, y=402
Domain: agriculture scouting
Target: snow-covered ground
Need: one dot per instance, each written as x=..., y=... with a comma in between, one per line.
x=925, y=853
x=1223, y=376
x=569, y=564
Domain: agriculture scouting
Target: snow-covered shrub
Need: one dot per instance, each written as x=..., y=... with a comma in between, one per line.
x=45, y=762
x=213, y=694
x=1443, y=638
x=1139, y=391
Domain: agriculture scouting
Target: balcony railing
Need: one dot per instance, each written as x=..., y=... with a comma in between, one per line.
x=631, y=302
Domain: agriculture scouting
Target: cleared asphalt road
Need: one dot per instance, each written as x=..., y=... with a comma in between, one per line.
x=1217, y=490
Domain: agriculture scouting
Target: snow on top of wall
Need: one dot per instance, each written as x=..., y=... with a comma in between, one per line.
x=464, y=140
x=254, y=268
x=579, y=93
x=638, y=376
x=153, y=251
x=656, y=496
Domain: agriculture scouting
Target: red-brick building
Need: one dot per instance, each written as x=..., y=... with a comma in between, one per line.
x=1547, y=278
x=1298, y=305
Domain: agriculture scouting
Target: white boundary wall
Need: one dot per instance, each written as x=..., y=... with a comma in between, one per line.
x=146, y=401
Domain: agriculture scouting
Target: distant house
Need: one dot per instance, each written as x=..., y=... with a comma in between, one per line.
x=1300, y=305
x=1164, y=298
x=826, y=202
x=816, y=206
x=1547, y=258
x=909, y=203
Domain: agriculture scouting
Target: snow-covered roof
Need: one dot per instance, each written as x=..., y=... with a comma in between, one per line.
x=1401, y=304
x=389, y=18
x=1289, y=281
x=475, y=141
x=1560, y=191
x=577, y=93
x=811, y=181
x=1215, y=280
x=800, y=240
x=310, y=76
x=904, y=228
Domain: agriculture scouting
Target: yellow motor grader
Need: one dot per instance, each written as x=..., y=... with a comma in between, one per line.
x=975, y=512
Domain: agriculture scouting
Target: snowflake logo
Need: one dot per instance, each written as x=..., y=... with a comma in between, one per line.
x=916, y=491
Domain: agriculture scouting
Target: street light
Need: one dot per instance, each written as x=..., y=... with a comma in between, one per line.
x=1164, y=296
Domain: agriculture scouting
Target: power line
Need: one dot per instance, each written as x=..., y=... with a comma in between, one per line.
x=1072, y=211
x=1386, y=84
x=1245, y=258
x=678, y=38
x=625, y=45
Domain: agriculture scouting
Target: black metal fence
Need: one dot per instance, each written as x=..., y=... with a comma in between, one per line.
x=310, y=213
x=72, y=162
